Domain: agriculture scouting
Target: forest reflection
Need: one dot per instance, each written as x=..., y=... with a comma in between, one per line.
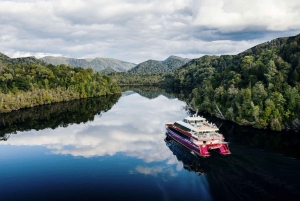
x=152, y=92
x=84, y=110
x=55, y=115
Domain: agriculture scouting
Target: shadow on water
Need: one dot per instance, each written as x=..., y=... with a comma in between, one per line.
x=285, y=142
x=191, y=162
x=55, y=115
x=253, y=174
x=247, y=174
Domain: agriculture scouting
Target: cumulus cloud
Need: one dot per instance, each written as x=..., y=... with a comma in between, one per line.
x=137, y=30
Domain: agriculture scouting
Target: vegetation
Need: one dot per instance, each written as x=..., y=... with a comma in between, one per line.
x=258, y=87
x=153, y=66
x=149, y=73
x=56, y=114
x=107, y=71
x=30, y=83
x=126, y=78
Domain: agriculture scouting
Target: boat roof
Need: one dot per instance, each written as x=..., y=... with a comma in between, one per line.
x=186, y=125
x=203, y=128
x=195, y=118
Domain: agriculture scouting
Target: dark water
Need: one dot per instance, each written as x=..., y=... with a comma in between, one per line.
x=115, y=148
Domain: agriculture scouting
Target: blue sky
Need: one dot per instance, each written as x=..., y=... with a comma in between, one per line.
x=138, y=30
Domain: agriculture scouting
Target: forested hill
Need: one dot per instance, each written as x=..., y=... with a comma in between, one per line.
x=27, y=84
x=153, y=66
x=24, y=60
x=258, y=87
x=97, y=64
x=107, y=71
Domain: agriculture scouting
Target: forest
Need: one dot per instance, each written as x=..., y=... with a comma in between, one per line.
x=258, y=87
x=128, y=78
x=26, y=83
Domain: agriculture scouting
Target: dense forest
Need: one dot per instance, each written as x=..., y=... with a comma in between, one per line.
x=127, y=78
x=258, y=87
x=27, y=82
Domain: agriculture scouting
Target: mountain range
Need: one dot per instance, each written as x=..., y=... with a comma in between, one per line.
x=27, y=60
x=97, y=64
x=104, y=65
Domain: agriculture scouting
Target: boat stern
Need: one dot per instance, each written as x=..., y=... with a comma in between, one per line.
x=224, y=150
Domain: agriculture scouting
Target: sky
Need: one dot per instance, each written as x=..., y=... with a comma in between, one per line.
x=138, y=30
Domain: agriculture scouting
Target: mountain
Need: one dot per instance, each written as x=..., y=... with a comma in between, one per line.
x=107, y=71
x=25, y=60
x=194, y=72
x=153, y=66
x=97, y=64
x=259, y=87
x=174, y=62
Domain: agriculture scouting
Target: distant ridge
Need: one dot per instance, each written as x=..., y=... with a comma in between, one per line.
x=97, y=64
x=153, y=66
x=107, y=71
x=28, y=60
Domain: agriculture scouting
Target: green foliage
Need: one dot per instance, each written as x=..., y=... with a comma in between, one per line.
x=30, y=84
x=258, y=87
x=153, y=66
x=127, y=78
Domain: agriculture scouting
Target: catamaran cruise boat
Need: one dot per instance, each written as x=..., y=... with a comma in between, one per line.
x=198, y=135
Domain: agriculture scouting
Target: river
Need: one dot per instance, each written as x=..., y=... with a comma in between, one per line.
x=115, y=148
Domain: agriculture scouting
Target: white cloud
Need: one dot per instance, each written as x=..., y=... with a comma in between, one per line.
x=236, y=15
x=136, y=31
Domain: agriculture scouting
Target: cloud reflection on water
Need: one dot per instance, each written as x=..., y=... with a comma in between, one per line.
x=134, y=126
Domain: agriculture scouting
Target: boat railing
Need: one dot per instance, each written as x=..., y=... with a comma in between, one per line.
x=209, y=136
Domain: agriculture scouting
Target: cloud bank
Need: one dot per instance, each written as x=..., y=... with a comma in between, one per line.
x=137, y=30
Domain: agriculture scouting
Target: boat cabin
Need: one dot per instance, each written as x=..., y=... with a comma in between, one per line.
x=200, y=123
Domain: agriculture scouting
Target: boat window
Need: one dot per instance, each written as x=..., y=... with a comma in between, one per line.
x=179, y=133
x=182, y=127
x=182, y=135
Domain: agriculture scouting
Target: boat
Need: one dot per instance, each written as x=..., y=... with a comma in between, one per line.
x=198, y=135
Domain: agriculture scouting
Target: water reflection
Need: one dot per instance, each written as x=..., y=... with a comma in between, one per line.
x=81, y=146
x=5, y=137
x=131, y=127
x=152, y=92
x=190, y=161
x=55, y=115
x=284, y=142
